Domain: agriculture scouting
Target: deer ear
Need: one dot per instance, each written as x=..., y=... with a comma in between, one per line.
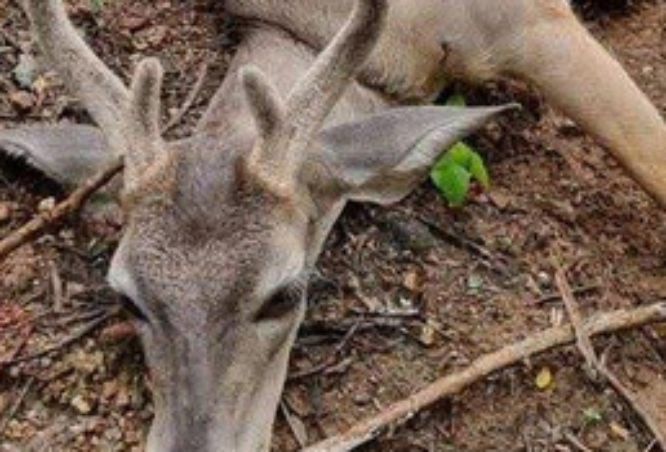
x=68, y=154
x=382, y=157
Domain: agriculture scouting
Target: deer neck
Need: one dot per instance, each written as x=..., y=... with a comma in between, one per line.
x=285, y=60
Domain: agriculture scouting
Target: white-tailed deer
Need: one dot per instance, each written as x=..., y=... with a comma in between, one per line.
x=223, y=228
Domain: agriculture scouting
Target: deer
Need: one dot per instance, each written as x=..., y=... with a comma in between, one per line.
x=325, y=103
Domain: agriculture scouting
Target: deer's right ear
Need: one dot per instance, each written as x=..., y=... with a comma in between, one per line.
x=381, y=158
x=68, y=154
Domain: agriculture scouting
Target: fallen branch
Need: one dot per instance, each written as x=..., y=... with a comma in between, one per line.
x=598, y=371
x=402, y=411
x=583, y=341
x=69, y=206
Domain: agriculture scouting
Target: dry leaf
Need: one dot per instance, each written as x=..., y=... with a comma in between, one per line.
x=544, y=379
x=620, y=432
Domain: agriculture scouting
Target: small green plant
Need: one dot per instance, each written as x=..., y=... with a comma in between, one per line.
x=592, y=416
x=97, y=5
x=455, y=171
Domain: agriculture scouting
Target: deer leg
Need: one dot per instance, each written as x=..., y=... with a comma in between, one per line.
x=581, y=78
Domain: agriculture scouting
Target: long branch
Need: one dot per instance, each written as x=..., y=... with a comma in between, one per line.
x=70, y=205
x=597, y=370
x=402, y=411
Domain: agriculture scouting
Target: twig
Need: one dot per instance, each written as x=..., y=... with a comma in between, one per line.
x=599, y=372
x=489, y=259
x=82, y=332
x=651, y=446
x=583, y=341
x=295, y=425
x=576, y=443
x=332, y=361
x=70, y=205
x=189, y=100
x=402, y=411
x=580, y=290
x=17, y=404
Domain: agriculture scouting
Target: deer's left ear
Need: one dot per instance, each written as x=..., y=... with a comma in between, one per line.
x=68, y=154
x=383, y=157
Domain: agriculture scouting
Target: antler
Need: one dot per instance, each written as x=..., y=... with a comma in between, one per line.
x=128, y=118
x=286, y=129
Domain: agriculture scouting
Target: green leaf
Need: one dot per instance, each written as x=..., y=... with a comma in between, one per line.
x=460, y=154
x=453, y=181
x=479, y=171
x=454, y=171
x=592, y=416
x=97, y=5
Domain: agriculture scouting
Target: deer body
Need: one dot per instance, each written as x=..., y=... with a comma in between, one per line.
x=431, y=42
x=223, y=228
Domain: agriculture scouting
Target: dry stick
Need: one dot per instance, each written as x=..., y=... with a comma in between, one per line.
x=78, y=197
x=402, y=411
x=583, y=341
x=599, y=370
x=70, y=205
x=576, y=443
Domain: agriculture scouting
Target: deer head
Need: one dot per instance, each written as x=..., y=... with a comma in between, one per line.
x=222, y=231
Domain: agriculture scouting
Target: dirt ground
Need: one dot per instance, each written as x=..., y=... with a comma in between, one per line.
x=557, y=198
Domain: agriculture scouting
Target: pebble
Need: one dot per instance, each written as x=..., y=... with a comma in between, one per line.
x=81, y=405
x=46, y=204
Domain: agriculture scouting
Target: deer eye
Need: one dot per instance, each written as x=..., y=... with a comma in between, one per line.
x=282, y=302
x=132, y=308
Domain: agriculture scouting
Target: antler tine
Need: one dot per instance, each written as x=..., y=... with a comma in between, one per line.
x=316, y=94
x=143, y=117
x=102, y=93
x=265, y=104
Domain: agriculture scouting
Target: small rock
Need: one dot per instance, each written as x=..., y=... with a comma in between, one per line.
x=412, y=282
x=474, y=283
x=362, y=399
x=46, y=204
x=428, y=334
x=81, y=405
x=544, y=279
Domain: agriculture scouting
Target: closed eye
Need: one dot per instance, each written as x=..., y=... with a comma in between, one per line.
x=283, y=301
